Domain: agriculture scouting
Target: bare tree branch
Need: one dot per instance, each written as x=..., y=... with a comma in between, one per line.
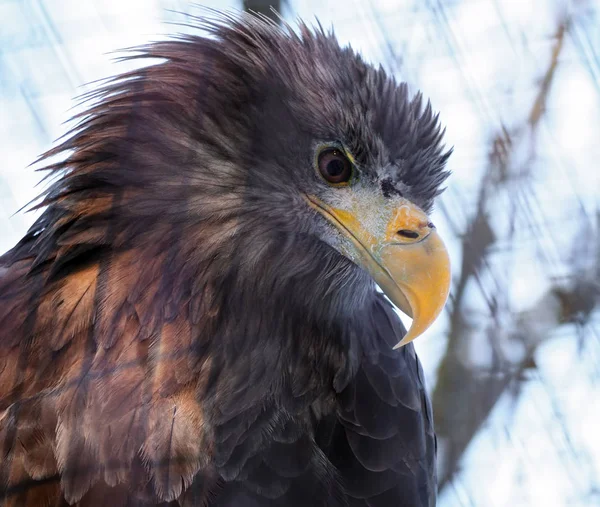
x=465, y=393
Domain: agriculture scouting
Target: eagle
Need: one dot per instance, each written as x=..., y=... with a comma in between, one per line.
x=194, y=319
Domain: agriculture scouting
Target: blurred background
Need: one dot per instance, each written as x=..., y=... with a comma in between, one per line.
x=513, y=365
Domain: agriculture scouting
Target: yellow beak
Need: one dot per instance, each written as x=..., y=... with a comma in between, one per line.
x=403, y=253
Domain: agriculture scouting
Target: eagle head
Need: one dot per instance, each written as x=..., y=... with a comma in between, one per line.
x=287, y=170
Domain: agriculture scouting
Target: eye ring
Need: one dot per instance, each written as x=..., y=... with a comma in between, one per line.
x=334, y=166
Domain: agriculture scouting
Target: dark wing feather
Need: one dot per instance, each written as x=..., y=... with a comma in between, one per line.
x=377, y=449
x=384, y=445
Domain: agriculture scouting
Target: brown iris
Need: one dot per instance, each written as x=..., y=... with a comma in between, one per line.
x=334, y=166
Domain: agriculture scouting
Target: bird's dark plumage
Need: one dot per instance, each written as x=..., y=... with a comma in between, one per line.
x=179, y=327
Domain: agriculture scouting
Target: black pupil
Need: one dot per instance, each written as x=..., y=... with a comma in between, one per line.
x=336, y=167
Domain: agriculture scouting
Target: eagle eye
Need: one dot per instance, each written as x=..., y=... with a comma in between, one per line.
x=334, y=166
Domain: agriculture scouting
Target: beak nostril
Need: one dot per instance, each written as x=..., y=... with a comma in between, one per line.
x=408, y=234
x=430, y=225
